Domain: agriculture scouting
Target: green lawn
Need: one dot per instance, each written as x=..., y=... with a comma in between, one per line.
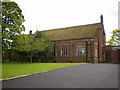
x=17, y=69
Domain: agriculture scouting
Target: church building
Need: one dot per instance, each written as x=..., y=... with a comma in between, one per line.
x=83, y=43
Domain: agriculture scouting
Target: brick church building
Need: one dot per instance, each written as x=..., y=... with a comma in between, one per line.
x=78, y=43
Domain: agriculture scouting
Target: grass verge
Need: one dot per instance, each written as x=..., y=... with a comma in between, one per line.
x=13, y=69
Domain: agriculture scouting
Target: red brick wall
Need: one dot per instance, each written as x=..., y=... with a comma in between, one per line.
x=101, y=44
x=112, y=54
x=72, y=44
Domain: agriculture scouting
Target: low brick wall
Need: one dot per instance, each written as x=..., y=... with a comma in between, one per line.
x=112, y=54
x=66, y=59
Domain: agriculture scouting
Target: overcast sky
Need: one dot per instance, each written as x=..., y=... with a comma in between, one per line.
x=51, y=14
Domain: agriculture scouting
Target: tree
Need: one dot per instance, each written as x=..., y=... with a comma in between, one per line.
x=114, y=38
x=30, y=44
x=12, y=20
x=49, y=44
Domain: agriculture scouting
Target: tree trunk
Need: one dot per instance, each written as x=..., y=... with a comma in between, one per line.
x=31, y=59
x=21, y=55
x=30, y=56
x=39, y=59
x=20, y=58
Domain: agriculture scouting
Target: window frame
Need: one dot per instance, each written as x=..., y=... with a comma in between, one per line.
x=77, y=48
x=66, y=51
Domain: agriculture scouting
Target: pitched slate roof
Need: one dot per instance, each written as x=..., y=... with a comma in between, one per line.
x=76, y=32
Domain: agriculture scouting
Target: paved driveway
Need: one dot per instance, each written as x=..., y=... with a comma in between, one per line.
x=79, y=76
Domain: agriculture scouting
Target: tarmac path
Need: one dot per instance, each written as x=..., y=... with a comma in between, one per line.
x=78, y=76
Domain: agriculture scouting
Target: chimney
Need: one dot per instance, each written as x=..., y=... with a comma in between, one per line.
x=101, y=17
x=30, y=32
